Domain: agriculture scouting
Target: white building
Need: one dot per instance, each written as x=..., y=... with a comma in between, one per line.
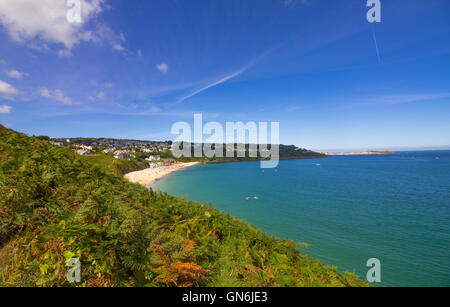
x=83, y=152
x=122, y=154
x=153, y=158
x=109, y=150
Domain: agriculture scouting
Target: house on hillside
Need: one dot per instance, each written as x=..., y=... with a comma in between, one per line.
x=110, y=150
x=56, y=143
x=84, y=152
x=122, y=154
x=153, y=158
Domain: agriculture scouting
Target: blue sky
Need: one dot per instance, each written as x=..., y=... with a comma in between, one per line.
x=133, y=68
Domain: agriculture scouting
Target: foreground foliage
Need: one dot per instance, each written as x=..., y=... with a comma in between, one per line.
x=55, y=205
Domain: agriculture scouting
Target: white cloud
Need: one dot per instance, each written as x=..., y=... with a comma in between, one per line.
x=7, y=91
x=44, y=22
x=99, y=96
x=122, y=37
x=118, y=47
x=16, y=74
x=64, y=53
x=108, y=85
x=5, y=109
x=57, y=95
x=163, y=67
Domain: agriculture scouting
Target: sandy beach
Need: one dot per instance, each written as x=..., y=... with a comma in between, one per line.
x=148, y=176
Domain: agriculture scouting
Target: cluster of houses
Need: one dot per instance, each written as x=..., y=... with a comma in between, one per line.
x=144, y=146
x=83, y=150
x=154, y=160
x=59, y=144
x=116, y=144
x=123, y=154
x=159, y=164
x=119, y=149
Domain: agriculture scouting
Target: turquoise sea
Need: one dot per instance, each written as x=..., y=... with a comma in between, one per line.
x=350, y=208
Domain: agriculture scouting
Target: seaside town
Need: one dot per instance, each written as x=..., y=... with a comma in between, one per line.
x=156, y=153
x=145, y=162
x=153, y=159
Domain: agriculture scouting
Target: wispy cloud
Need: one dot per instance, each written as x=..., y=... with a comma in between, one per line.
x=95, y=83
x=4, y=109
x=7, y=91
x=220, y=81
x=401, y=99
x=99, y=96
x=57, y=95
x=118, y=47
x=163, y=67
x=15, y=74
x=376, y=47
x=226, y=78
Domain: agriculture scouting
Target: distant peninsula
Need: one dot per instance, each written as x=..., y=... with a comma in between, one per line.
x=360, y=153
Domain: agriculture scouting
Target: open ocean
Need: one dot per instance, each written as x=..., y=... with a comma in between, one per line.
x=350, y=208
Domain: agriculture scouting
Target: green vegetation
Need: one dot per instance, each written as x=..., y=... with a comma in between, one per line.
x=56, y=205
x=286, y=152
x=117, y=166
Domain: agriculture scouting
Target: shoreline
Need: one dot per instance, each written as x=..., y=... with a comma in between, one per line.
x=149, y=176
x=361, y=153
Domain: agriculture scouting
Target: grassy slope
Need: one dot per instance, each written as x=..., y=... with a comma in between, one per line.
x=55, y=205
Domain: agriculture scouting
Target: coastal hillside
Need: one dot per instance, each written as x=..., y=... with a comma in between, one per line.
x=136, y=151
x=56, y=205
